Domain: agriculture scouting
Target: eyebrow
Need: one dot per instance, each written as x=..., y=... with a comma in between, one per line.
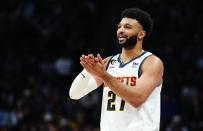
x=128, y=24
x=125, y=24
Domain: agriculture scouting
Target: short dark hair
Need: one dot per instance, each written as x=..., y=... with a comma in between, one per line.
x=143, y=17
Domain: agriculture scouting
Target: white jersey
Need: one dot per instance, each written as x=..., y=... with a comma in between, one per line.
x=118, y=115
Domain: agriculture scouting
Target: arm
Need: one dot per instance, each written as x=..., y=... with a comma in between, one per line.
x=82, y=85
x=150, y=78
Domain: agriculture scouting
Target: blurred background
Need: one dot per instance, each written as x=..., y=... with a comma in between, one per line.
x=42, y=40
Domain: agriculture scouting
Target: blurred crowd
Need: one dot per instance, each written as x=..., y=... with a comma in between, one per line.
x=42, y=40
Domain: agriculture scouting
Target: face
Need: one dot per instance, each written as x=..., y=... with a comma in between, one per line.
x=128, y=32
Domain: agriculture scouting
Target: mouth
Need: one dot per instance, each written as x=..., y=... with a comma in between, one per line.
x=122, y=39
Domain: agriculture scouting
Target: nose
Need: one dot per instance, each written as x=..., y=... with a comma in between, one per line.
x=120, y=30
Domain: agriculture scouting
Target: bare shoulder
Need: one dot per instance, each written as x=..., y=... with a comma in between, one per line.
x=154, y=60
x=153, y=64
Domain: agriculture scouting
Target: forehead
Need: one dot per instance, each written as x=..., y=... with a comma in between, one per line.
x=130, y=21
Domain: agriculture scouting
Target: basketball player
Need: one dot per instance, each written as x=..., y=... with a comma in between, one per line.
x=132, y=80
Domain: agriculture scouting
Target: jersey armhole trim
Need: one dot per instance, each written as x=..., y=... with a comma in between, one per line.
x=109, y=62
x=140, y=67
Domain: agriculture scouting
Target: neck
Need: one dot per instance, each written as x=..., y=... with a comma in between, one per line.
x=129, y=54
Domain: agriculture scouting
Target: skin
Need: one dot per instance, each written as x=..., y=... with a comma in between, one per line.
x=151, y=75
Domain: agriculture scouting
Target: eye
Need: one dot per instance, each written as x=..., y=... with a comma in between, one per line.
x=128, y=26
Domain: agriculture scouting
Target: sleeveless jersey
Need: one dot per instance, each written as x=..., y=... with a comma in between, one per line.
x=118, y=115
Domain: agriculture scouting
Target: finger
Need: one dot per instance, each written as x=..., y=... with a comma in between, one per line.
x=83, y=56
x=96, y=59
x=88, y=60
x=91, y=56
x=86, y=57
x=90, y=64
x=91, y=59
x=87, y=67
x=82, y=59
x=100, y=59
x=86, y=63
x=83, y=64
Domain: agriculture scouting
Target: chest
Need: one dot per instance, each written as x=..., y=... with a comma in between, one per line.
x=125, y=73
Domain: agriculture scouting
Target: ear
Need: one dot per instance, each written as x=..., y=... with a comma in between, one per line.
x=141, y=34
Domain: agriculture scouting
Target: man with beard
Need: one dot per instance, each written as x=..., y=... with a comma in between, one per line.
x=132, y=80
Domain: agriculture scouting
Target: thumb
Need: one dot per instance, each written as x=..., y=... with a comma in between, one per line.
x=105, y=60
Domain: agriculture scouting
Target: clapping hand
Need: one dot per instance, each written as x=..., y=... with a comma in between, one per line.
x=94, y=65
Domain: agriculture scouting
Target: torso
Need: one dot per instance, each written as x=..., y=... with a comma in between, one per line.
x=118, y=115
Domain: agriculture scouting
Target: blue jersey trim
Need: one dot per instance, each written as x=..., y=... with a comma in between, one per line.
x=139, y=69
x=109, y=62
x=121, y=65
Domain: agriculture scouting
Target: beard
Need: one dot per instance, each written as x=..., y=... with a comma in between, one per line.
x=129, y=43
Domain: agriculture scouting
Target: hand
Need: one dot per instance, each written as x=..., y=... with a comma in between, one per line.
x=94, y=65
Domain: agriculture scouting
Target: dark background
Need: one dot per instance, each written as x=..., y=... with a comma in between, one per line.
x=40, y=45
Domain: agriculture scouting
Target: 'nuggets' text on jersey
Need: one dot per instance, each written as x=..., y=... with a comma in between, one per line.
x=131, y=81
